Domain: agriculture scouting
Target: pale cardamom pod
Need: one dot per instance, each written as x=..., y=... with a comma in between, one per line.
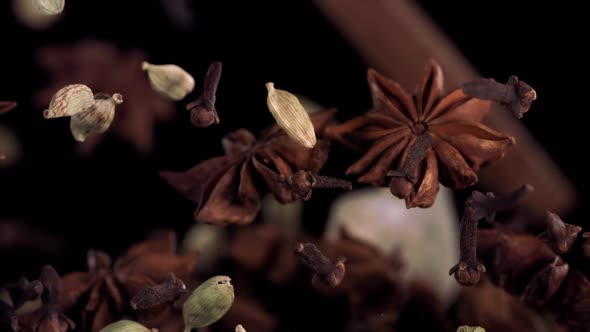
x=208, y=303
x=240, y=328
x=291, y=116
x=169, y=80
x=69, y=100
x=125, y=326
x=466, y=328
x=50, y=7
x=97, y=118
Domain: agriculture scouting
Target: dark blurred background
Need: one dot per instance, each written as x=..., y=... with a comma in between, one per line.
x=114, y=197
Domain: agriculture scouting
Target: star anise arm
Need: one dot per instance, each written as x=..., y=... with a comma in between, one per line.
x=6, y=106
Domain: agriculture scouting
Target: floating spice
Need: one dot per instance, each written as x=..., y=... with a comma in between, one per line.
x=417, y=140
x=90, y=114
x=291, y=116
x=208, y=303
x=169, y=80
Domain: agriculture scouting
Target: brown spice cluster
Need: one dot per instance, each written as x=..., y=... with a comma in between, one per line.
x=417, y=140
x=228, y=189
x=103, y=293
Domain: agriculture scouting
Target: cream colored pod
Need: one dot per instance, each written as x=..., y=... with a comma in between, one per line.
x=69, y=100
x=169, y=80
x=49, y=7
x=97, y=118
x=240, y=328
x=291, y=116
x=89, y=114
x=466, y=328
x=125, y=326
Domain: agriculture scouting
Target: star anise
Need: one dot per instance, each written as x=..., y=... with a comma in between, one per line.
x=103, y=67
x=418, y=138
x=228, y=189
x=6, y=106
x=105, y=290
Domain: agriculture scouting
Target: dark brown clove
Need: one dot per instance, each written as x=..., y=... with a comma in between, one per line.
x=515, y=95
x=559, y=235
x=325, y=271
x=6, y=106
x=479, y=206
x=168, y=291
x=303, y=182
x=404, y=179
x=203, y=111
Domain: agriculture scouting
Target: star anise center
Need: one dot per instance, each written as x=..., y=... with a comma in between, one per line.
x=419, y=128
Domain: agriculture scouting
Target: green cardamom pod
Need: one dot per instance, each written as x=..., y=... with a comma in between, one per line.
x=291, y=116
x=208, y=303
x=125, y=326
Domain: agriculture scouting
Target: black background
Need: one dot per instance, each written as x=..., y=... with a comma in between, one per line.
x=115, y=197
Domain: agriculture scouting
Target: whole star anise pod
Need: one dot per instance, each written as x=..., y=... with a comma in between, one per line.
x=103, y=67
x=417, y=139
x=228, y=189
x=106, y=290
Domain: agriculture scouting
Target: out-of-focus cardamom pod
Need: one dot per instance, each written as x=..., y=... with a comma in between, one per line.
x=466, y=328
x=169, y=80
x=240, y=328
x=291, y=116
x=50, y=7
x=125, y=326
x=69, y=100
x=208, y=303
x=95, y=119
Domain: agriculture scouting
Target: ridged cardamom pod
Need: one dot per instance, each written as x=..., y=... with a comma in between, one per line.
x=97, y=118
x=69, y=100
x=50, y=7
x=470, y=329
x=125, y=326
x=208, y=303
x=291, y=116
x=169, y=80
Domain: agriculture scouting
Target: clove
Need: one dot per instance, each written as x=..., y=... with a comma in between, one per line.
x=203, y=111
x=325, y=271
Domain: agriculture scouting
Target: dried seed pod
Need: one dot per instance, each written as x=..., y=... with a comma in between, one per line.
x=69, y=100
x=240, y=328
x=208, y=303
x=169, y=80
x=466, y=328
x=291, y=116
x=50, y=7
x=125, y=326
x=95, y=119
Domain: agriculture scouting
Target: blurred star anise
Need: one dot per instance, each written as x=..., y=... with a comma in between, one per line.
x=105, y=68
x=6, y=106
x=106, y=290
x=418, y=138
x=228, y=189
